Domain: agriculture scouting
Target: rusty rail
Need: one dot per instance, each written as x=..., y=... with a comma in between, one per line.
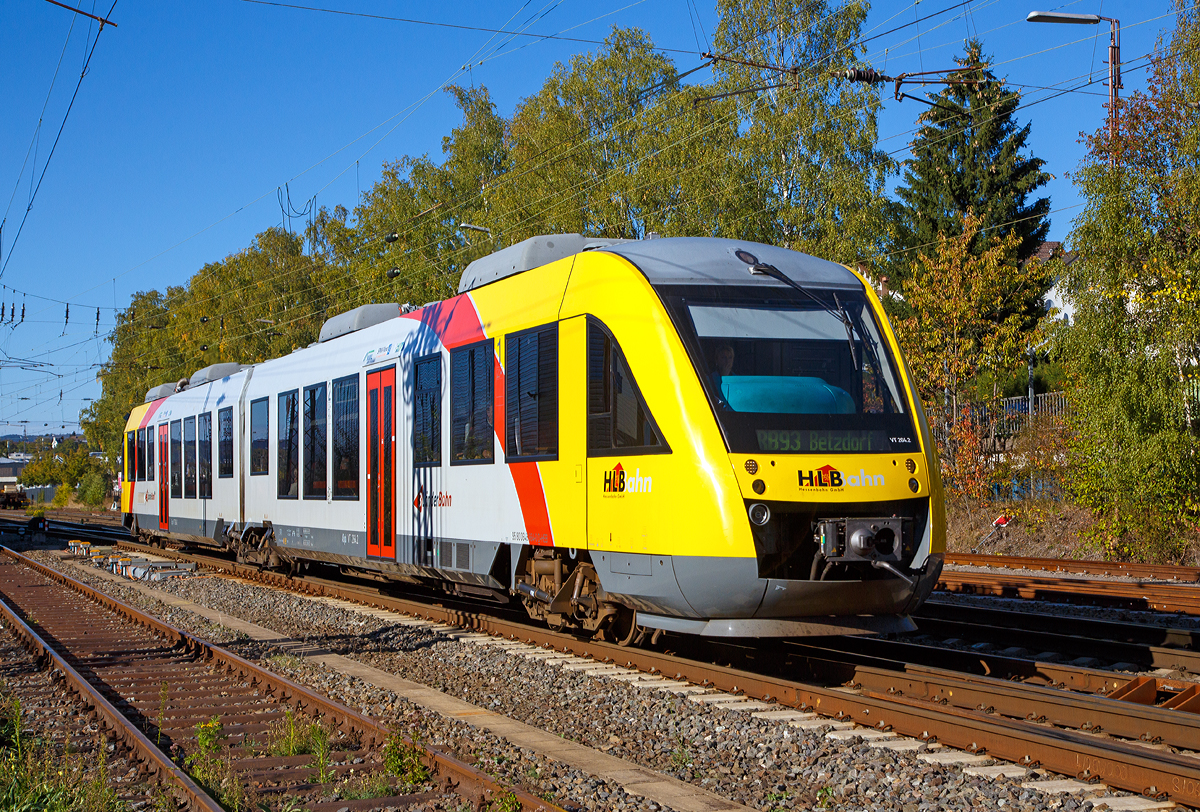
x=154, y=759
x=1164, y=572
x=460, y=777
x=1139, y=595
x=904, y=702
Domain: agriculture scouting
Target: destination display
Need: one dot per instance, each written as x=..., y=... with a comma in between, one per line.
x=835, y=441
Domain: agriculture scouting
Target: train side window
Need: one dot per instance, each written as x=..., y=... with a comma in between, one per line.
x=345, y=438
x=427, y=411
x=472, y=405
x=315, y=442
x=140, y=456
x=531, y=394
x=176, y=459
x=204, y=452
x=260, y=437
x=130, y=453
x=150, y=443
x=289, y=446
x=189, y=458
x=225, y=442
x=619, y=422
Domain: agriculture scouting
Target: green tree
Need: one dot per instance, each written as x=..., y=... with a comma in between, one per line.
x=810, y=144
x=1135, y=286
x=950, y=342
x=969, y=157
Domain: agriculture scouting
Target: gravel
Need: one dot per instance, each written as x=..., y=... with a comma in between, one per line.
x=56, y=732
x=758, y=763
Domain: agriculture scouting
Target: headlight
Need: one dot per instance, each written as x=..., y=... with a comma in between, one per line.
x=760, y=514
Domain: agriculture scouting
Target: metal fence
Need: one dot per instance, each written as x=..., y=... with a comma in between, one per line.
x=1005, y=417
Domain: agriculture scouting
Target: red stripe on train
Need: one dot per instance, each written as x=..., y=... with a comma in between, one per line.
x=456, y=322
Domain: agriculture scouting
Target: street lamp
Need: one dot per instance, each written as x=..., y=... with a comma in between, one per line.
x=1114, y=54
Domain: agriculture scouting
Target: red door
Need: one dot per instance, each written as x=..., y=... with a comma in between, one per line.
x=163, y=448
x=381, y=463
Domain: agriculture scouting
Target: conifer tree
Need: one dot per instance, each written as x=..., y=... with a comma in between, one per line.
x=970, y=159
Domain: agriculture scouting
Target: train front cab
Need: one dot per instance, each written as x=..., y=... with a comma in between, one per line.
x=772, y=437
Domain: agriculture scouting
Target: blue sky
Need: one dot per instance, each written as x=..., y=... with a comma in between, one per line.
x=193, y=114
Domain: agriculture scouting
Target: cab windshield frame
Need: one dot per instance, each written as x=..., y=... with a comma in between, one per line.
x=887, y=428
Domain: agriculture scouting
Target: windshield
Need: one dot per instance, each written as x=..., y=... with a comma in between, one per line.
x=794, y=372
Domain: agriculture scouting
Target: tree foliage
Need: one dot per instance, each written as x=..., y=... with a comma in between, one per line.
x=52, y=466
x=810, y=144
x=951, y=341
x=969, y=157
x=1134, y=348
x=613, y=144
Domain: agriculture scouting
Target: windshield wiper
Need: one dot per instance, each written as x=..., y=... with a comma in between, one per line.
x=763, y=269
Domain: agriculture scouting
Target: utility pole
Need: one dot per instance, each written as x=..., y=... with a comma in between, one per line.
x=1114, y=62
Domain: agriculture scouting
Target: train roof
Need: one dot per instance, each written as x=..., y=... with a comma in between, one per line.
x=716, y=261
x=526, y=255
x=664, y=261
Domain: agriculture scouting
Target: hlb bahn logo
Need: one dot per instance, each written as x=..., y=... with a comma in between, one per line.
x=830, y=477
x=619, y=481
x=437, y=500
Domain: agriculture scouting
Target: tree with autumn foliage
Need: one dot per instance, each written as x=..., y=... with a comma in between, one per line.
x=960, y=323
x=1134, y=347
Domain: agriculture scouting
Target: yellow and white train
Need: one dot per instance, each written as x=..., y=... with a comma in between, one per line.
x=693, y=435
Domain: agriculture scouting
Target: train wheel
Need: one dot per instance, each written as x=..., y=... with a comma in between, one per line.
x=624, y=629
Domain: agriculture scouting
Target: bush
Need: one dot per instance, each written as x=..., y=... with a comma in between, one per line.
x=94, y=489
x=62, y=495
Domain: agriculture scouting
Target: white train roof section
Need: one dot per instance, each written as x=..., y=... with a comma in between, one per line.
x=214, y=372
x=160, y=391
x=527, y=255
x=357, y=319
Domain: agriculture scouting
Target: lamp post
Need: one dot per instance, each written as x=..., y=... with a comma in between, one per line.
x=1114, y=56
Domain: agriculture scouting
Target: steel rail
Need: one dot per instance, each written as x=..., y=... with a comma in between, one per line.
x=1090, y=713
x=898, y=655
x=1164, y=572
x=1121, y=631
x=984, y=628
x=153, y=759
x=1124, y=765
x=460, y=777
x=1140, y=595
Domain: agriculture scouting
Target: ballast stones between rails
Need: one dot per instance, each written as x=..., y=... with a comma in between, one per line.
x=972, y=764
x=582, y=666
x=217, y=683
x=839, y=731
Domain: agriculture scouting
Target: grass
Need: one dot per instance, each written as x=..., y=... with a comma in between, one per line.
x=293, y=735
x=35, y=775
x=404, y=761
x=364, y=786
x=212, y=765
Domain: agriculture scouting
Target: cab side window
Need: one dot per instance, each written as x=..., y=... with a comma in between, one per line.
x=619, y=422
x=141, y=455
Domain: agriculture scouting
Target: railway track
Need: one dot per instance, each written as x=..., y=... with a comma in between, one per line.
x=161, y=693
x=1163, y=572
x=1132, y=733
x=1137, y=595
x=1062, y=717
